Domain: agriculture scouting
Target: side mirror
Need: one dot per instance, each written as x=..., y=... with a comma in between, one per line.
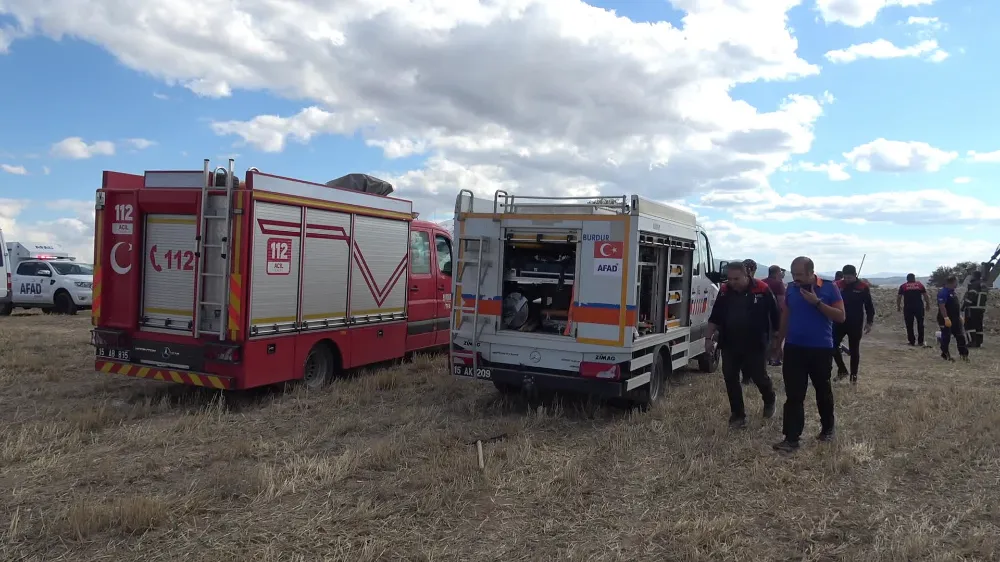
x=714, y=277
x=446, y=269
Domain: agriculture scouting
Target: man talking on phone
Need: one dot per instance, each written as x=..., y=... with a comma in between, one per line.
x=812, y=306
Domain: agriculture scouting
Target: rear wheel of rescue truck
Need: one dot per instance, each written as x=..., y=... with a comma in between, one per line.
x=709, y=362
x=652, y=392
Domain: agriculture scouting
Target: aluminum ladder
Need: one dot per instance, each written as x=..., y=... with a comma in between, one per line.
x=482, y=266
x=205, y=278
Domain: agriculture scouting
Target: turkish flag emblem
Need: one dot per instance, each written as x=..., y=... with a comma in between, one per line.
x=609, y=250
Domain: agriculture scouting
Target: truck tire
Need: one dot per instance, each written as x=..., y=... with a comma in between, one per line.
x=710, y=363
x=64, y=303
x=6, y=309
x=651, y=393
x=319, y=366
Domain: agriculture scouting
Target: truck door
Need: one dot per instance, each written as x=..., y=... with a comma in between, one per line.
x=442, y=324
x=169, y=272
x=30, y=282
x=422, y=301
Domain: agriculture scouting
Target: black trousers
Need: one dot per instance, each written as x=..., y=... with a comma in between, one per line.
x=956, y=330
x=853, y=333
x=974, y=324
x=909, y=317
x=801, y=365
x=753, y=364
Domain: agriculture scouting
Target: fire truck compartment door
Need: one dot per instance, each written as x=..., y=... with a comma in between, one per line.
x=169, y=272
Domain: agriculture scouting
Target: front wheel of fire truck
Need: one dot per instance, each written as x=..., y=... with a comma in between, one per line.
x=319, y=366
x=652, y=392
x=64, y=303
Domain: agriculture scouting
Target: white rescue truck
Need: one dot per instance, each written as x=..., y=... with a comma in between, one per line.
x=605, y=298
x=45, y=276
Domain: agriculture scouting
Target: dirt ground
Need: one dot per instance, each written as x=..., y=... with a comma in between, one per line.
x=382, y=466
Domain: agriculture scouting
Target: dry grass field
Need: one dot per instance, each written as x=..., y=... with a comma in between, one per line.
x=382, y=466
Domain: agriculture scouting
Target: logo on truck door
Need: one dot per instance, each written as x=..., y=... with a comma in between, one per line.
x=114, y=259
x=608, y=258
x=279, y=256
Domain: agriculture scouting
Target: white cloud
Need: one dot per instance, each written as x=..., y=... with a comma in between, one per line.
x=907, y=253
x=833, y=171
x=140, y=144
x=931, y=22
x=71, y=224
x=46, y=171
x=882, y=49
x=984, y=157
x=76, y=148
x=904, y=208
x=963, y=180
x=857, y=13
x=883, y=155
x=160, y=96
x=16, y=170
x=613, y=104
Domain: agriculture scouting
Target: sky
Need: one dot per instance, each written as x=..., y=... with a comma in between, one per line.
x=828, y=128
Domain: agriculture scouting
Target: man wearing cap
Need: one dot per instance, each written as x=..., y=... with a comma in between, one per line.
x=860, y=312
x=950, y=320
x=813, y=305
x=776, y=282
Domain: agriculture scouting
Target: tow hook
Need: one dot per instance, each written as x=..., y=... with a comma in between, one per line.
x=528, y=389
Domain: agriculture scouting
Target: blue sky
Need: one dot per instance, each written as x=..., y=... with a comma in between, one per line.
x=100, y=82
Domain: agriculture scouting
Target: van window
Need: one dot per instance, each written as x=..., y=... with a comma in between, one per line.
x=443, y=252
x=420, y=252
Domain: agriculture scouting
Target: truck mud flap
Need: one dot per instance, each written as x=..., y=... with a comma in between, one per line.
x=564, y=383
x=166, y=375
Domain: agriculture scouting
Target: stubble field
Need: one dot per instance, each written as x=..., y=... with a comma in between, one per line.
x=383, y=466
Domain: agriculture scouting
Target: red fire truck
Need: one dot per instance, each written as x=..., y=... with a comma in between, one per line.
x=203, y=279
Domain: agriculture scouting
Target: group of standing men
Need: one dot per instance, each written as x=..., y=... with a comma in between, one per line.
x=953, y=319
x=792, y=326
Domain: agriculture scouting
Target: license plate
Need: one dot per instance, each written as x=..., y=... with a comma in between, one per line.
x=114, y=353
x=464, y=371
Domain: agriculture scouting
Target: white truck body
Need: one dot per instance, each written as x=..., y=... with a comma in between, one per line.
x=46, y=276
x=6, y=297
x=636, y=293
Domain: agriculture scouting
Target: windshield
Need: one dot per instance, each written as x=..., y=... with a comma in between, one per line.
x=70, y=268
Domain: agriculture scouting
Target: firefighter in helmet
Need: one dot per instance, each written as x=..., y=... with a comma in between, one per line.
x=974, y=308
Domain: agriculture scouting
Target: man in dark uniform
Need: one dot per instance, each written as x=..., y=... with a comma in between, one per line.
x=950, y=320
x=745, y=315
x=751, y=268
x=974, y=307
x=912, y=300
x=860, y=311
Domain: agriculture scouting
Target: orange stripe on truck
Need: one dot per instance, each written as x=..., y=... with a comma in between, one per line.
x=166, y=375
x=235, y=305
x=95, y=299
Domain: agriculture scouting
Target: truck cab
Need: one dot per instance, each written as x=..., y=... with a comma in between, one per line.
x=44, y=276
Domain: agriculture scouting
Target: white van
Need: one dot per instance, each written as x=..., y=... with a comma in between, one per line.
x=6, y=297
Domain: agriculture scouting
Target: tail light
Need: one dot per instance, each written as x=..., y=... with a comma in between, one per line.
x=103, y=337
x=223, y=353
x=603, y=371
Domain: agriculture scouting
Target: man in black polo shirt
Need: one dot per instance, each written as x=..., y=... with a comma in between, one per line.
x=746, y=317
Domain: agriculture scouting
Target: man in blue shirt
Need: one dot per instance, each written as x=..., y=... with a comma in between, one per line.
x=950, y=320
x=812, y=305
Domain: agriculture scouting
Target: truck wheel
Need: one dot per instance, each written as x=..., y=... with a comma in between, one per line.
x=319, y=366
x=650, y=393
x=6, y=309
x=710, y=363
x=64, y=303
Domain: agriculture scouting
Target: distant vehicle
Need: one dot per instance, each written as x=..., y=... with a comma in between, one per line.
x=45, y=276
x=605, y=298
x=234, y=284
x=6, y=300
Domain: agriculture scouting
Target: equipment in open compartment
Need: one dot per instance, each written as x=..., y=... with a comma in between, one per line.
x=539, y=271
